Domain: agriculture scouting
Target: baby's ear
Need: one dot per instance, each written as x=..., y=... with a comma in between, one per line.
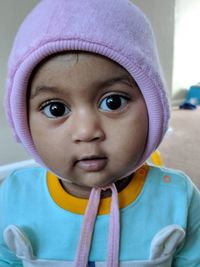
x=166, y=241
x=18, y=243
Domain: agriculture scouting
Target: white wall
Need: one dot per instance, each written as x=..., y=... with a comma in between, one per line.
x=11, y=14
x=176, y=24
x=161, y=15
x=186, y=47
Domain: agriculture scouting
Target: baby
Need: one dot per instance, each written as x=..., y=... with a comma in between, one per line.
x=86, y=98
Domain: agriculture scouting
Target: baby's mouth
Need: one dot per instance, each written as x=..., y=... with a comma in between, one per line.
x=91, y=163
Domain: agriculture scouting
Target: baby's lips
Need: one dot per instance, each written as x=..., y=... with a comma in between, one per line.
x=92, y=164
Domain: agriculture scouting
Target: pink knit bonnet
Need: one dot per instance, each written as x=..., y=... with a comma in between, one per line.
x=116, y=29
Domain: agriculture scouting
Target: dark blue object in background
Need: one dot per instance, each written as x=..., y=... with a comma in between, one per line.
x=187, y=105
x=193, y=95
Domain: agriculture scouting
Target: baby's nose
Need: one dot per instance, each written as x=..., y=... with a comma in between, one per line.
x=87, y=127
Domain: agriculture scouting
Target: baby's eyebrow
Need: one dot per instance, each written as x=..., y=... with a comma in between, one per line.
x=125, y=79
x=44, y=89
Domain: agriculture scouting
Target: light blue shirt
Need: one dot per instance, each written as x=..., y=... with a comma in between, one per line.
x=167, y=198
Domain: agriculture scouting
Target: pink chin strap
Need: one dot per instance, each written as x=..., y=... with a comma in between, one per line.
x=83, y=251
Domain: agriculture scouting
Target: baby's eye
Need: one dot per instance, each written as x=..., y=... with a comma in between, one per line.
x=55, y=109
x=113, y=102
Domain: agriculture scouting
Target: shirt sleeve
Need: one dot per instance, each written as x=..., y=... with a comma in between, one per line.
x=189, y=254
x=7, y=258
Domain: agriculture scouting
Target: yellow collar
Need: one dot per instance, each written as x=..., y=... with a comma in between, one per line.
x=78, y=205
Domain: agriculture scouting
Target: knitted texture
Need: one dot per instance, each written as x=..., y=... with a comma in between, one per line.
x=116, y=29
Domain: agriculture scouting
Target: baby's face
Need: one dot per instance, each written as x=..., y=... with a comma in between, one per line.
x=87, y=118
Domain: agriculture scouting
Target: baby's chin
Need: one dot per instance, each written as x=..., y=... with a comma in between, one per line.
x=93, y=179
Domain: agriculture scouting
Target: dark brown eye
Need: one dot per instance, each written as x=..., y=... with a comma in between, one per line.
x=55, y=110
x=113, y=102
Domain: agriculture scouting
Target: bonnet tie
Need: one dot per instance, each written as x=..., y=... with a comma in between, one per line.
x=84, y=245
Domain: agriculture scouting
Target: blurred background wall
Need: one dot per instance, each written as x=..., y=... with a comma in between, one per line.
x=186, y=70
x=12, y=13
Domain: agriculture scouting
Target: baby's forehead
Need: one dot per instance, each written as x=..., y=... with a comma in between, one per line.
x=79, y=63
x=73, y=72
x=72, y=57
x=66, y=57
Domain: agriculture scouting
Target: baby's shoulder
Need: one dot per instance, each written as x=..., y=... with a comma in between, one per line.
x=170, y=178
